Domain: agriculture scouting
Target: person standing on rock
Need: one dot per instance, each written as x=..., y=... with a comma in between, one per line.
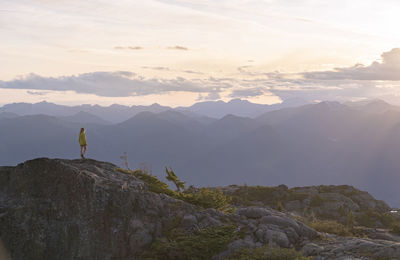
x=82, y=142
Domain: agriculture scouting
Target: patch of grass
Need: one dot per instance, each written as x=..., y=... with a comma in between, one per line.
x=173, y=226
x=387, y=219
x=369, y=218
x=293, y=195
x=203, y=197
x=153, y=183
x=373, y=219
x=269, y=196
x=208, y=198
x=247, y=194
x=316, y=201
x=395, y=228
x=266, y=253
x=279, y=206
x=200, y=245
x=331, y=227
x=350, y=219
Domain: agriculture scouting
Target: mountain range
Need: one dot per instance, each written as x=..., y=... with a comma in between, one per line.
x=119, y=113
x=355, y=143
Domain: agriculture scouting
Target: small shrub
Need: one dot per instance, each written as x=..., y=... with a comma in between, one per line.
x=332, y=227
x=171, y=176
x=266, y=253
x=316, y=201
x=387, y=219
x=373, y=219
x=173, y=226
x=207, y=198
x=395, y=228
x=203, y=197
x=350, y=220
x=200, y=245
x=153, y=183
x=369, y=218
x=351, y=193
x=297, y=196
x=124, y=158
x=250, y=195
x=279, y=206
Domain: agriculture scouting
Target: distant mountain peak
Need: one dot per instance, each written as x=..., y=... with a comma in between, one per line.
x=372, y=106
x=238, y=100
x=231, y=116
x=367, y=102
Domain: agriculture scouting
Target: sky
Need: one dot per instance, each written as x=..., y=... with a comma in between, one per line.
x=178, y=52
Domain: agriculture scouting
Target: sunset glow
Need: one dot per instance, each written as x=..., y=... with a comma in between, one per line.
x=232, y=46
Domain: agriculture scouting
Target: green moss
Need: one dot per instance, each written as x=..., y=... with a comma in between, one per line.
x=253, y=195
x=387, y=219
x=395, y=228
x=173, y=227
x=296, y=196
x=200, y=245
x=208, y=198
x=373, y=219
x=368, y=218
x=279, y=206
x=266, y=253
x=350, y=219
x=316, y=201
x=332, y=227
x=269, y=196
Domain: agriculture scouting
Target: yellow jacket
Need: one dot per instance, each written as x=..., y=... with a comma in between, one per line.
x=82, y=138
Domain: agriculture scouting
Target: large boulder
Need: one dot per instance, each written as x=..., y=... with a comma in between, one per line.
x=81, y=209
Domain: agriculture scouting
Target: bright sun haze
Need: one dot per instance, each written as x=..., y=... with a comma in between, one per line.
x=180, y=52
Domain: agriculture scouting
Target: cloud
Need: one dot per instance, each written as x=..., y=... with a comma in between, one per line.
x=246, y=93
x=128, y=48
x=37, y=93
x=193, y=72
x=116, y=84
x=77, y=51
x=160, y=68
x=177, y=47
x=212, y=96
x=387, y=69
x=381, y=79
x=156, y=68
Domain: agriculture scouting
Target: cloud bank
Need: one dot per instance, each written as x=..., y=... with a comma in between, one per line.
x=380, y=79
x=177, y=47
x=387, y=69
x=116, y=84
x=128, y=48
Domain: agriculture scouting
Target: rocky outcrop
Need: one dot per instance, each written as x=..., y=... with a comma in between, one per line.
x=338, y=248
x=324, y=202
x=85, y=209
